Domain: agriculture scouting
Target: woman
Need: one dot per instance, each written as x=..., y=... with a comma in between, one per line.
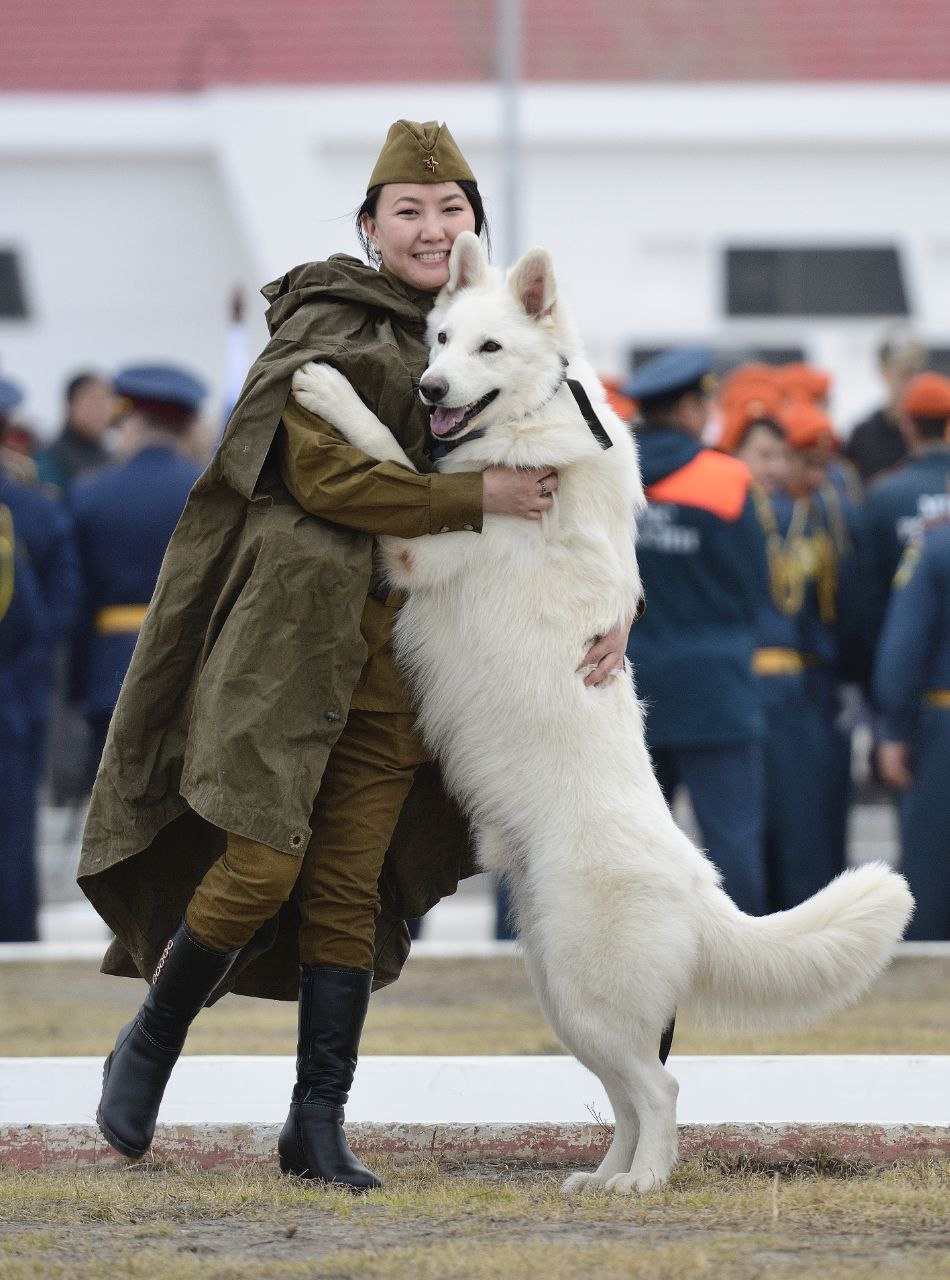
x=261, y=776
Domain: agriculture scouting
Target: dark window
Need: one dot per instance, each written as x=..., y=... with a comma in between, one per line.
x=12, y=295
x=939, y=360
x=814, y=282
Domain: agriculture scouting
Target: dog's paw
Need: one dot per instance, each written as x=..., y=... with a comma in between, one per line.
x=579, y=1184
x=322, y=389
x=631, y=1184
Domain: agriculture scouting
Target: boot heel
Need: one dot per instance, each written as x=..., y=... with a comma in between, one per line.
x=291, y=1168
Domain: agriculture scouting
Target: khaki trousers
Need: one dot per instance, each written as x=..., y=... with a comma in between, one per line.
x=335, y=884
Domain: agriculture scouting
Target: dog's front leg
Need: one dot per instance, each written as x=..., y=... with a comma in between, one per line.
x=419, y=564
x=324, y=391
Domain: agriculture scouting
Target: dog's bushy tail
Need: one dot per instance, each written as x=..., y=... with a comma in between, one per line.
x=797, y=966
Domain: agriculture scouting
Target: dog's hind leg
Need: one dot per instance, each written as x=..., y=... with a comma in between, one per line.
x=653, y=1092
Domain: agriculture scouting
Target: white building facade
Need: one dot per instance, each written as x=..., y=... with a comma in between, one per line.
x=127, y=221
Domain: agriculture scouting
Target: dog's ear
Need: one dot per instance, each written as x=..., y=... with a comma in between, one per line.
x=532, y=282
x=467, y=264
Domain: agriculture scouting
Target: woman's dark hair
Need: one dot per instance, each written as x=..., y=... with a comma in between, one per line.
x=368, y=207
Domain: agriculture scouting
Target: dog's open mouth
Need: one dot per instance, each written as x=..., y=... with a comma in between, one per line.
x=446, y=423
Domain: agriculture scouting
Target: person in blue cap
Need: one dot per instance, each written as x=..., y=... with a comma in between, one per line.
x=125, y=516
x=43, y=539
x=900, y=503
x=912, y=690
x=702, y=561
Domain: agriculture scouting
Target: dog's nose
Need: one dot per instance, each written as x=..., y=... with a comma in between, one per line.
x=434, y=389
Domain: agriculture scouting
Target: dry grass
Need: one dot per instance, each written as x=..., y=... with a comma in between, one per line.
x=732, y=1222
x=441, y=1006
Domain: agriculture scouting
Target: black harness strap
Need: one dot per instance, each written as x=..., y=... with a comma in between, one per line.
x=590, y=417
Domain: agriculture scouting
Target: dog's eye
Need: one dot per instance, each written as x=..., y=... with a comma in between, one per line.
x=490, y=346
x=441, y=338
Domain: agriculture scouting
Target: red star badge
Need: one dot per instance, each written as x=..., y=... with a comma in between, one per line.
x=430, y=163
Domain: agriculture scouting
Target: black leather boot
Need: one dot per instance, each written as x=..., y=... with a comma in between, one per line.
x=137, y=1070
x=333, y=1004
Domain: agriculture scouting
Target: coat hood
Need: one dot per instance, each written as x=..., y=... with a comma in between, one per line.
x=343, y=279
x=663, y=451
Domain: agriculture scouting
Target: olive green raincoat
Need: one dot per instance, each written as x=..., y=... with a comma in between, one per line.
x=244, y=668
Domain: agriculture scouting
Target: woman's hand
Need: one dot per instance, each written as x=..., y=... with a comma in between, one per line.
x=510, y=492
x=606, y=655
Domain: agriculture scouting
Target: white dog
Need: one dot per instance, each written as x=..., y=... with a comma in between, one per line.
x=622, y=918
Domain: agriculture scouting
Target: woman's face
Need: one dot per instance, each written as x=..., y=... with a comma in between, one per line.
x=414, y=228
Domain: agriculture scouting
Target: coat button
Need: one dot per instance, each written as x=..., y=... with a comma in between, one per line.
x=331, y=715
x=445, y=529
x=296, y=840
x=469, y=528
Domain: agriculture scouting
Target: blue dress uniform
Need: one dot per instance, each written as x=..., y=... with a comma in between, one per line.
x=702, y=562
x=797, y=663
x=46, y=548
x=912, y=688
x=125, y=516
x=896, y=510
x=23, y=625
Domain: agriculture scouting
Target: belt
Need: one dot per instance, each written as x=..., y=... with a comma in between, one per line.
x=781, y=662
x=938, y=698
x=119, y=619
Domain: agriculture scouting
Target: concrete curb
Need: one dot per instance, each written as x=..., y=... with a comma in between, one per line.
x=469, y=949
x=233, y=1145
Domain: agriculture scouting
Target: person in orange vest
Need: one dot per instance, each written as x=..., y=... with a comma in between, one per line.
x=702, y=562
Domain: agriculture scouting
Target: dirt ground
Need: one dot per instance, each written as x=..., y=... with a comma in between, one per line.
x=448, y=1007
x=437, y=1222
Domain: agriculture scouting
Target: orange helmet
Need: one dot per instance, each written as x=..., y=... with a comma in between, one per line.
x=622, y=405
x=808, y=426
x=927, y=396
x=747, y=394
x=800, y=381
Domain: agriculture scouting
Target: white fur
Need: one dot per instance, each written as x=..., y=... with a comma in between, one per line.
x=622, y=918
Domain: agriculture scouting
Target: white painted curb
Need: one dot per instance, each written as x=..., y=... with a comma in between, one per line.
x=44, y=952
x=874, y=1090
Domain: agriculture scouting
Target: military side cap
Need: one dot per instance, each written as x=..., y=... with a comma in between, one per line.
x=676, y=370
x=163, y=391
x=416, y=152
x=927, y=396
x=10, y=395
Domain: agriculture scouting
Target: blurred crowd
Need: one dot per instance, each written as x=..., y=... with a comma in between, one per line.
x=797, y=587
x=84, y=524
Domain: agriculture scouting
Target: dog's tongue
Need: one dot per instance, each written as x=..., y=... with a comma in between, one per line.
x=444, y=420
